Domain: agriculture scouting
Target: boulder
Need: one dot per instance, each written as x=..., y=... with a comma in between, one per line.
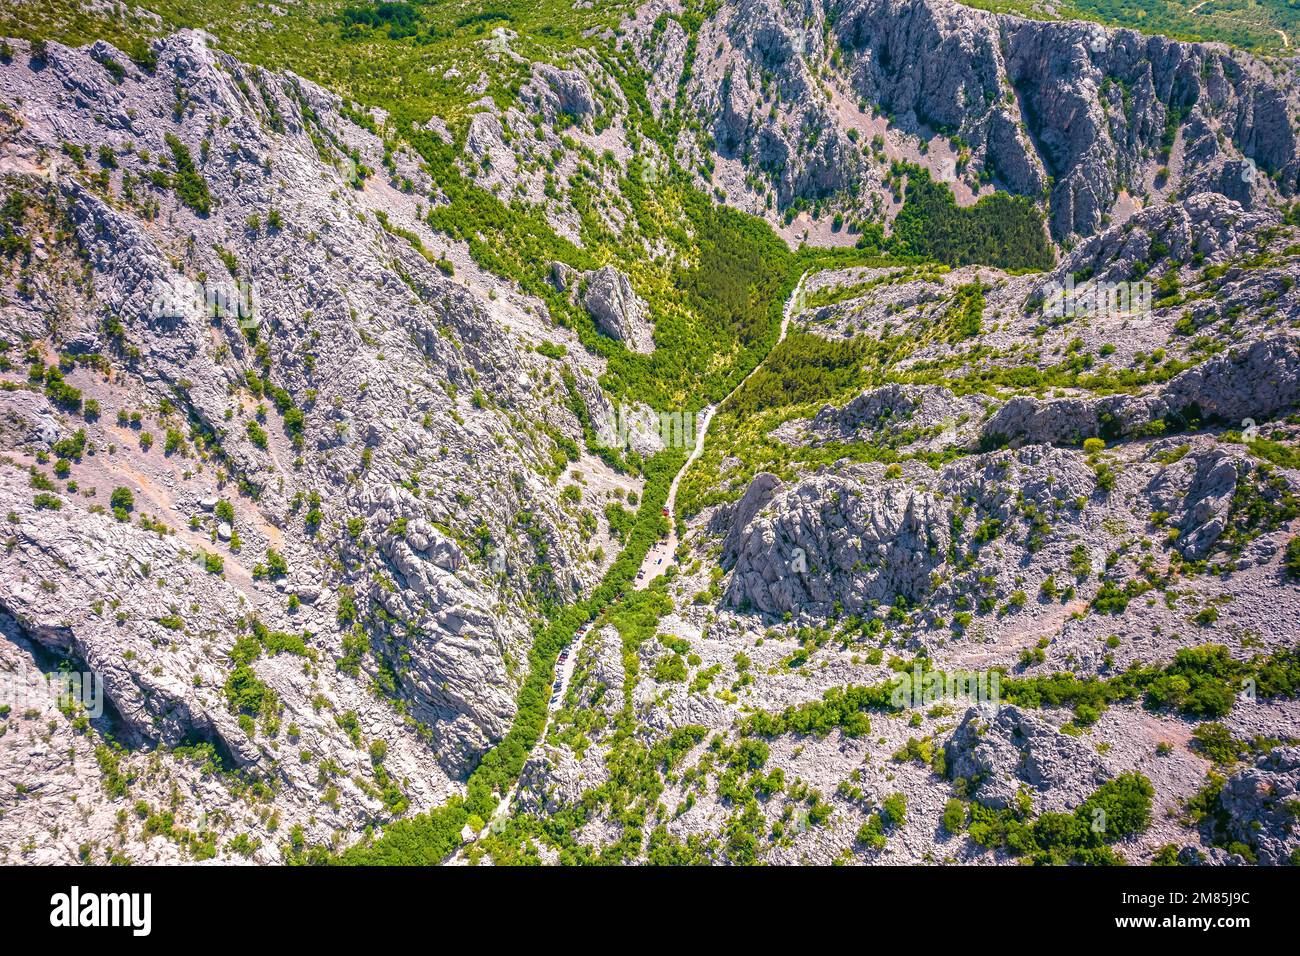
x=1261, y=804
x=617, y=310
x=1015, y=750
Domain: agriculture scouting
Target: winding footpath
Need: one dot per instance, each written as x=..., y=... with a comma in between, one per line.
x=660, y=556
x=661, y=552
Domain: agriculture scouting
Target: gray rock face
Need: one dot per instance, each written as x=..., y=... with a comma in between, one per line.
x=1197, y=494
x=145, y=668
x=933, y=63
x=872, y=408
x=1029, y=420
x=756, y=497
x=558, y=91
x=1001, y=755
x=416, y=500
x=129, y=268
x=856, y=539
x=907, y=417
x=664, y=58
x=1260, y=803
x=1070, y=104
x=618, y=311
x=552, y=781
x=1255, y=382
x=26, y=418
x=563, y=276
x=607, y=667
x=368, y=495
x=1208, y=856
x=484, y=136
x=837, y=538
x=801, y=146
x=947, y=65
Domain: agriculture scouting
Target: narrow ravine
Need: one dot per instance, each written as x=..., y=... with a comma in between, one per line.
x=660, y=555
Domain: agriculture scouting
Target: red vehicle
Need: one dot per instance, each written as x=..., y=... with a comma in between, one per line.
x=665, y=512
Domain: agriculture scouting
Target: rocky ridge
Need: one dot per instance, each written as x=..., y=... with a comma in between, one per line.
x=946, y=507
x=807, y=109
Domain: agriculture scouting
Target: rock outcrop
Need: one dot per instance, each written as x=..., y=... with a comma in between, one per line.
x=1261, y=803
x=617, y=310
x=1246, y=386
x=327, y=406
x=1072, y=112
x=904, y=417
x=836, y=539
x=310, y=478
x=1011, y=751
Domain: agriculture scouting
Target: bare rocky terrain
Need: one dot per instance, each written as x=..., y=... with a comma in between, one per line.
x=1098, y=122
x=417, y=449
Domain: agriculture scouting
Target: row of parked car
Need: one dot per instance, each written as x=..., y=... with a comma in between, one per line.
x=558, y=689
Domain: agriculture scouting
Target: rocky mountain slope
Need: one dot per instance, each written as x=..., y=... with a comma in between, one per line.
x=365, y=421
x=808, y=106
x=1069, y=501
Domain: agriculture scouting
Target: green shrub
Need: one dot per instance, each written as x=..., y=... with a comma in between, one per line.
x=276, y=565
x=1216, y=742
x=1291, y=562
x=895, y=809
x=191, y=189
x=954, y=815
x=872, y=833
x=257, y=434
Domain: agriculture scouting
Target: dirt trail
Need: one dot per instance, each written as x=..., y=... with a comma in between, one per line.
x=660, y=556
x=660, y=552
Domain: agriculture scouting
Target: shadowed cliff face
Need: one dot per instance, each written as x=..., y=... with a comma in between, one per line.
x=1070, y=113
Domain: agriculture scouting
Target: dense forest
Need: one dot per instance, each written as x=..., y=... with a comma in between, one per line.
x=999, y=230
